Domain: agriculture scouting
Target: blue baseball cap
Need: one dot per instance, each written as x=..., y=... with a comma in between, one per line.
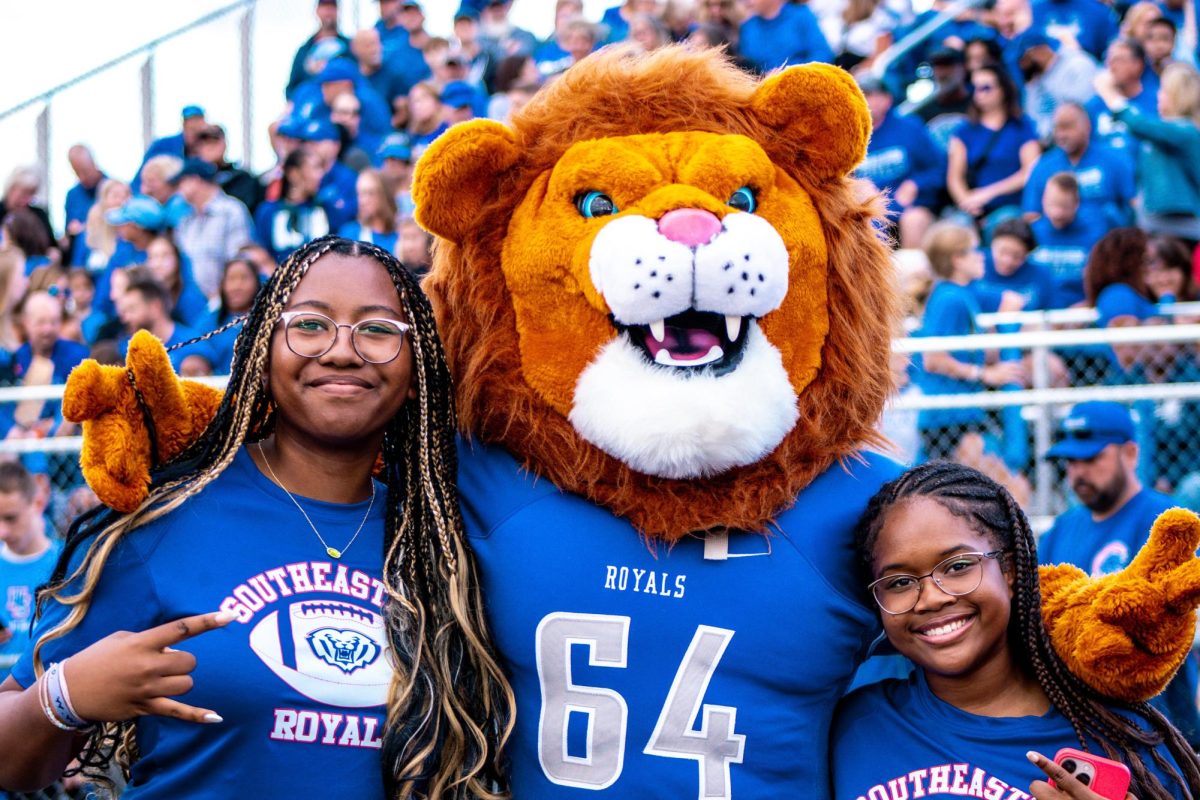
x=458, y=94
x=1035, y=37
x=291, y=127
x=145, y=212
x=192, y=111
x=1090, y=427
x=195, y=166
x=318, y=130
x=395, y=146
x=339, y=69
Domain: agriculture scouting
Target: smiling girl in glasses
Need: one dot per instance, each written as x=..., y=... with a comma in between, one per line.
x=951, y=563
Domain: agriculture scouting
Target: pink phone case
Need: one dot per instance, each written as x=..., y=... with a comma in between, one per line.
x=1103, y=776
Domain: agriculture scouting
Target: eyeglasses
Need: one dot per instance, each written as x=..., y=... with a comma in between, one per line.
x=312, y=335
x=958, y=575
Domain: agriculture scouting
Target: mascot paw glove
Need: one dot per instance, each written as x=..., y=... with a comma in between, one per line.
x=1126, y=633
x=116, y=457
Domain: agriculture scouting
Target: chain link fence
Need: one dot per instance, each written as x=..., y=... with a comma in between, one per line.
x=1154, y=369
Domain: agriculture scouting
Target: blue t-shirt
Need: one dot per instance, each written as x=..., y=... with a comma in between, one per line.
x=1105, y=179
x=1090, y=22
x=20, y=576
x=338, y=195
x=300, y=677
x=78, y=203
x=901, y=149
x=897, y=739
x=1030, y=280
x=792, y=37
x=621, y=651
x=950, y=311
x=355, y=230
x=1121, y=300
x=281, y=227
x=1063, y=253
x=1113, y=132
x=1102, y=548
x=995, y=155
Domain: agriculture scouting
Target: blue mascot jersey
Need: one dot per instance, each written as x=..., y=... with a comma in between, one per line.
x=300, y=676
x=897, y=740
x=648, y=671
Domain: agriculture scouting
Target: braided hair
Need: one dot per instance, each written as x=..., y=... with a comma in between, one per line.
x=449, y=707
x=989, y=509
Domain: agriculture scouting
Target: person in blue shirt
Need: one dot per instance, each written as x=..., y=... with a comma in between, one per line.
x=779, y=32
x=1125, y=63
x=950, y=311
x=314, y=99
x=319, y=49
x=376, y=221
x=79, y=201
x=992, y=152
x=180, y=145
x=1104, y=176
x=952, y=565
x=367, y=48
x=1064, y=238
x=170, y=267
x=1114, y=283
x=1007, y=269
x=255, y=578
x=336, y=190
x=296, y=217
x=1090, y=23
x=27, y=557
x=240, y=283
x=1104, y=533
x=138, y=221
x=903, y=160
x=145, y=304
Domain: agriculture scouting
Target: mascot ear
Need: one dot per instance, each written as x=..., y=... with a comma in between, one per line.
x=820, y=115
x=458, y=175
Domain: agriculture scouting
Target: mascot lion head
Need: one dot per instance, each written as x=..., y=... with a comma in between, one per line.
x=659, y=289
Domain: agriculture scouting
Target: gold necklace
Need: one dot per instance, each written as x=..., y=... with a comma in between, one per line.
x=332, y=551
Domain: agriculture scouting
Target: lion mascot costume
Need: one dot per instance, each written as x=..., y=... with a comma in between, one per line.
x=669, y=317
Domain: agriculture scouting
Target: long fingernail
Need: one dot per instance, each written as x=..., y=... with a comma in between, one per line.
x=211, y=717
x=223, y=617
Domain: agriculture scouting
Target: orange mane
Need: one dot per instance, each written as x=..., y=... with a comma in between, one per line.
x=614, y=93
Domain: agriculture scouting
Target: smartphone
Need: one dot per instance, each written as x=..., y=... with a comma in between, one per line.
x=1103, y=776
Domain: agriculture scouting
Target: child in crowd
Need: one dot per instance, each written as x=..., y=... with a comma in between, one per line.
x=1007, y=269
x=956, y=262
x=27, y=557
x=989, y=687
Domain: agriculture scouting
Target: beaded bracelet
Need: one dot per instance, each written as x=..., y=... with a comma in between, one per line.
x=44, y=701
x=56, y=702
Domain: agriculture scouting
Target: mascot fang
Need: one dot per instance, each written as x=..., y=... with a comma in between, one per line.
x=669, y=319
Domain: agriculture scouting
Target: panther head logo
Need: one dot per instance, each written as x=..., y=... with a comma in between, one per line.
x=346, y=650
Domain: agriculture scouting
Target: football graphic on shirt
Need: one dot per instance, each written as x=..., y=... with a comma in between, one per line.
x=331, y=651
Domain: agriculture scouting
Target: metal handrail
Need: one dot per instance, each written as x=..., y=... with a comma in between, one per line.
x=147, y=47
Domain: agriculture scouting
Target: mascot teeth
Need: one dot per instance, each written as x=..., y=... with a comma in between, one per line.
x=733, y=327
x=659, y=330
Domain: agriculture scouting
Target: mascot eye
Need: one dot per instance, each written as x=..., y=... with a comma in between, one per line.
x=595, y=204
x=743, y=200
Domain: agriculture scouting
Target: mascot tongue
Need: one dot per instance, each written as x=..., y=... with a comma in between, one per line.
x=684, y=344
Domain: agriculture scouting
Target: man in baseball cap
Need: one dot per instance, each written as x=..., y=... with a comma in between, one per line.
x=1098, y=443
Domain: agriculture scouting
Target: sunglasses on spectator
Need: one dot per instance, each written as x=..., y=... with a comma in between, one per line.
x=983, y=88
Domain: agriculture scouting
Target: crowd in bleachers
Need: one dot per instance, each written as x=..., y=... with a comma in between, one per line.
x=1040, y=153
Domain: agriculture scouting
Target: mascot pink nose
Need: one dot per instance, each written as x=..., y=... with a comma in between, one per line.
x=689, y=226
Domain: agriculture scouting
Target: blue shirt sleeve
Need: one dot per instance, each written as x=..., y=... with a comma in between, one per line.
x=124, y=599
x=1031, y=196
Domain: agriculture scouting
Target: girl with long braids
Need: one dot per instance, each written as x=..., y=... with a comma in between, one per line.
x=951, y=562
x=303, y=630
